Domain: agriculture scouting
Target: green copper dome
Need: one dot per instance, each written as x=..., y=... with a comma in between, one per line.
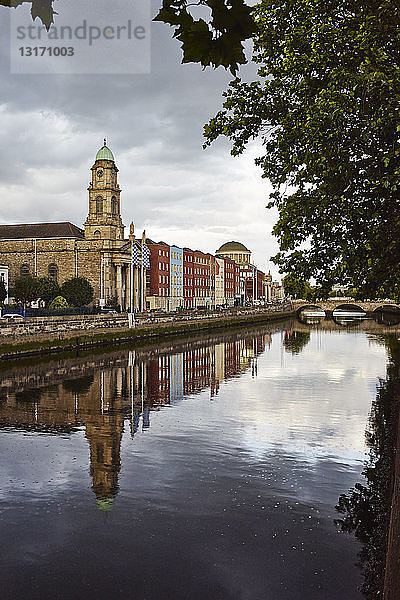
x=105, y=153
x=105, y=504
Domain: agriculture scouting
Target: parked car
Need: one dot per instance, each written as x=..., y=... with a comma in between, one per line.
x=12, y=316
x=109, y=311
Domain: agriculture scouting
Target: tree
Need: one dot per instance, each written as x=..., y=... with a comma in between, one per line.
x=216, y=41
x=296, y=287
x=49, y=289
x=77, y=291
x=43, y=9
x=3, y=291
x=26, y=288
x=325, y=105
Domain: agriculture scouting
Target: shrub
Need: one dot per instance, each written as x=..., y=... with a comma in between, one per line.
x=58, y=303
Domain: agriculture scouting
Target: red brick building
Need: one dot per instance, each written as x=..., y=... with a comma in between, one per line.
x=158, y=283
x=188, y=291
x=232, y=280
x=201, y=279
x=255, y=285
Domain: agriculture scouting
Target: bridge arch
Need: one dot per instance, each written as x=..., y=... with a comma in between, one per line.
x=349, y=308
x=387, y=314
x=311, y=307
x=388, y=308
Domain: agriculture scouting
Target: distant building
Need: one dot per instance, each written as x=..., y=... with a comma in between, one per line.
x=99, y=252
x=176, y=277
x=235, y=251
x=188, y=289
x=201, y=279
x=219, y=281
x=158, y=276
x=251, y=286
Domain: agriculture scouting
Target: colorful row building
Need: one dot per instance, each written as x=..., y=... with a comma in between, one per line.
x=182, y=278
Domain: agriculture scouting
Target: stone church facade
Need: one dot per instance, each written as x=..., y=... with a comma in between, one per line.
x=115, y=266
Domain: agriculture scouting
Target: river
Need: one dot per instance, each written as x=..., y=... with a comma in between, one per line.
x=221, y=468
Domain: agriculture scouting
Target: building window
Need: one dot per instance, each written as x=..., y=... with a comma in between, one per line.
x=99, y=205
x=114, y=205
x=97, y=234
x=53, y=271
x=25, y=269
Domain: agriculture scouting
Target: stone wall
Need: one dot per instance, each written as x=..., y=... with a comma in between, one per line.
x=35, y=327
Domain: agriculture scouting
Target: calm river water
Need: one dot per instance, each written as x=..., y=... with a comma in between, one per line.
x=203, y=469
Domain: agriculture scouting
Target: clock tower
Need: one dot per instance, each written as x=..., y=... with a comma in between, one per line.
x=104, y=219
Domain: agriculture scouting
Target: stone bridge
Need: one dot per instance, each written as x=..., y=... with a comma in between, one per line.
x=329, y=306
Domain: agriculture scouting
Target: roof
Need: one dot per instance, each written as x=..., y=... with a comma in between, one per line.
x=232, y=247
x=41, y=230
x=105, y=153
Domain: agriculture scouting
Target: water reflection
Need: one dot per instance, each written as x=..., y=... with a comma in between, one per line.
x=388, y=315
x=126, y=387
x=294, y=341
x=218, y=462
x=311, y=315
x=348, y=319
x=371, y=511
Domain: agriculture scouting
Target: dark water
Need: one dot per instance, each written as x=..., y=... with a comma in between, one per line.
x=207, y=469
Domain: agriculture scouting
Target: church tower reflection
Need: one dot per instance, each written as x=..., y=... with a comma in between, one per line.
x=98, y=394
x=104, y=428
x=104, y=439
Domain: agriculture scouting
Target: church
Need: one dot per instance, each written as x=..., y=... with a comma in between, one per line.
x=115, y=266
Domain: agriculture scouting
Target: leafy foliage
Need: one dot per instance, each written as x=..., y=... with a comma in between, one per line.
x=77, y=291
x=26, y=288
x=49, y=289
x=216, y=42
x=325, y=105
x=43, y=9
x=296, y=287
x=58, y=302
x=3, y=291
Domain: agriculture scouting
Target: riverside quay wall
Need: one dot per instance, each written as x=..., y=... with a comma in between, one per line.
x=42, y=335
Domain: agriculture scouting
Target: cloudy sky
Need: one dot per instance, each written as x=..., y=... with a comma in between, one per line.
x=53, y=123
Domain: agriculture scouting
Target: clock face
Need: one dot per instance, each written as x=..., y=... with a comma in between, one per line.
x=100, y=173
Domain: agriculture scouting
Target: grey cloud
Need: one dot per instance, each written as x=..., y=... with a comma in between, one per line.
x=53, y=126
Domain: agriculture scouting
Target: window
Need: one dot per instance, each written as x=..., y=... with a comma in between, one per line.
x=114, y=205
x=25, y=269
x=97, y=234
x=53, y=271
x=99, y=205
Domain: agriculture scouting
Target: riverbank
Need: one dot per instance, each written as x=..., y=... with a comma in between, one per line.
x=91, y=333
